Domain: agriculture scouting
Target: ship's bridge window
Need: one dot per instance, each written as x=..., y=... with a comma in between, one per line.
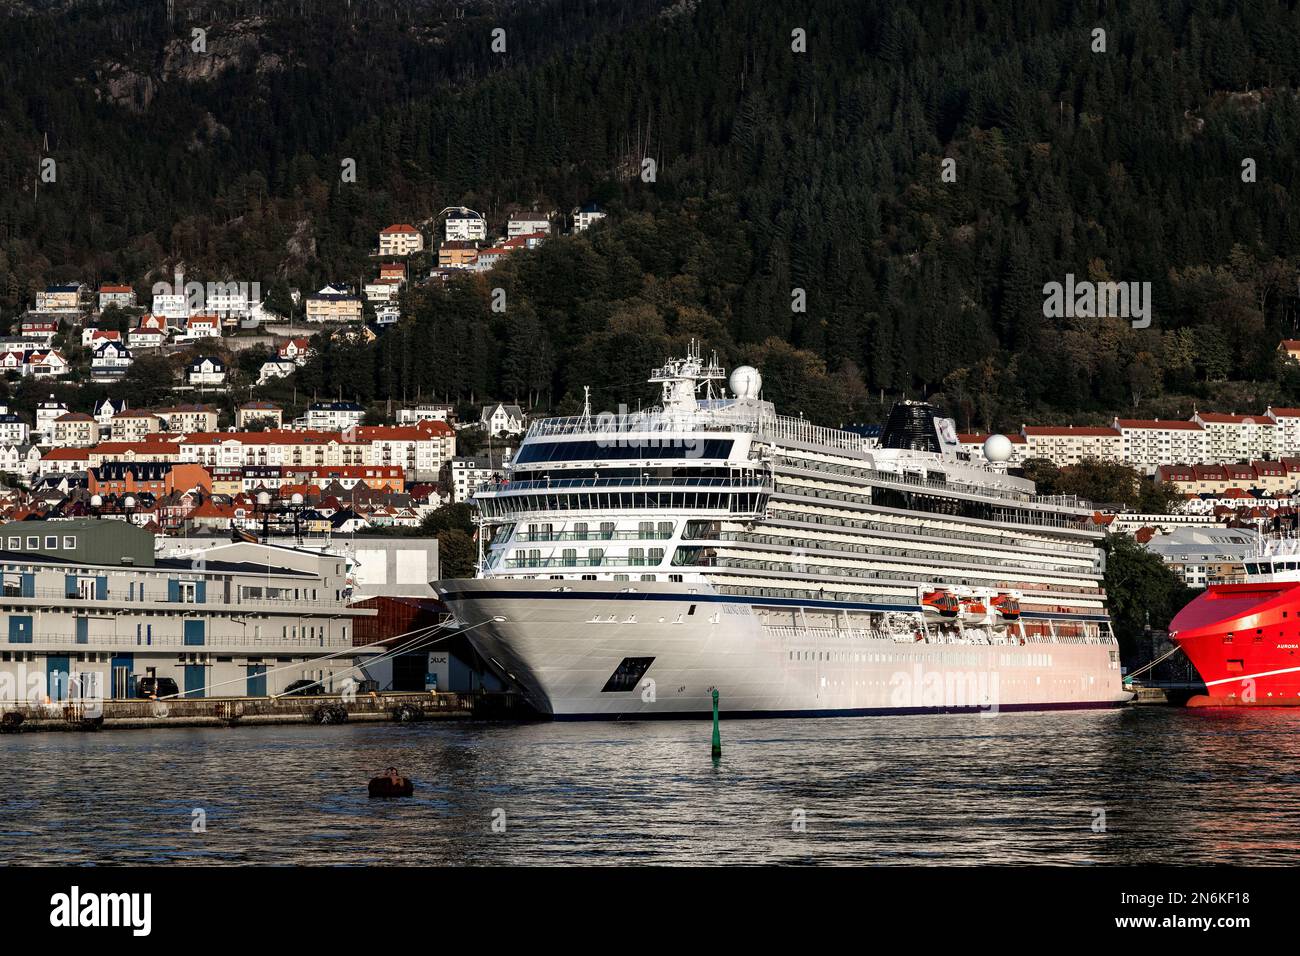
x=614, y=450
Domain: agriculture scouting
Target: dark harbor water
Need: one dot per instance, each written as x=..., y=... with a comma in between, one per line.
x=1174, y=786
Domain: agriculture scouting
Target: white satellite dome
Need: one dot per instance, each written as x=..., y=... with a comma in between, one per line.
x=745, y=382
x=997, y=448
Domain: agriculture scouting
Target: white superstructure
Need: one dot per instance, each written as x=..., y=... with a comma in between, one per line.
x=632, y=563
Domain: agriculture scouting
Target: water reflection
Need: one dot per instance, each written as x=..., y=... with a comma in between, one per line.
x=1168, y=785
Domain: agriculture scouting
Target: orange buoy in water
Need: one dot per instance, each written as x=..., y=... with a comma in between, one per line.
x=391, y=784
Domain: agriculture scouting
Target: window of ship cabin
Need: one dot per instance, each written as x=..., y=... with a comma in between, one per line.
x=15, y=544
x=665, y=529
x=579, y=530
x=647, y=577
x=51, y=542
x=607, y=529
x=570, y=555
x=656, y=555
x=646, y=529
x=595, y=556
x=636, y=555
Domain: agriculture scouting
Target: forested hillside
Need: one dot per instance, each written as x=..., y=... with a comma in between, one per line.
x=776, y=170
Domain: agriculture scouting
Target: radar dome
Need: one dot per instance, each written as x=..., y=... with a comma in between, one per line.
x=997, y=448
x=745, y=382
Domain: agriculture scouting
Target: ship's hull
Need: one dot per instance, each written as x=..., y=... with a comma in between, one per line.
x=601, y=650
x=1244, y=641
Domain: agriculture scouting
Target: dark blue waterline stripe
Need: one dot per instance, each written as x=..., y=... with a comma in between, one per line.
x=856, y=712
x=728, y=599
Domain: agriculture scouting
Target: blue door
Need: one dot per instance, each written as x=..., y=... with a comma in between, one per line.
x=256, y=680
x=193, y=633
x=83, y=630
x=56, y=676
x=20, y=628
x=121, y=680
x=194, y=680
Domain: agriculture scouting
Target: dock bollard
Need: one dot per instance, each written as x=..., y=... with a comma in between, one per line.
x=717, y=735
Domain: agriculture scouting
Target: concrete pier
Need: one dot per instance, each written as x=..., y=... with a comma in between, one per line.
x=243, y=711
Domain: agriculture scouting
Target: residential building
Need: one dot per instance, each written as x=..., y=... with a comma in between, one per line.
x=273, y=370
x=333, y=308
x=189, y=419
x=149, y=333
x=333, y=416
x=1072, y=444
x=426, y=413
x=584, y=217
x=269, y=415
x=39, y=329
x=128, y=426
x=49, y=364
x=92, y=338
x=173, y=307
x=206, y=371
x=501, y=419
x=401, y=239
x=122, y=296
x=526, y=224
x=1148, y=444
x=75, y=430
x=157, y=478
x=47, y=412
x=1286, y=436
x=465, y=227
x=297, y=350
x=60, y=298
x=110, y=362
x=419, y=450
x=458, y=255
x=203, y=326
x=466, y=474
x=1233, y=438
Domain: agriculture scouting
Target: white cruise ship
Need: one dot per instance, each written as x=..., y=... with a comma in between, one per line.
x=632, y=563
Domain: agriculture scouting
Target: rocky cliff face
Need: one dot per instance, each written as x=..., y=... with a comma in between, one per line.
x=189, y=58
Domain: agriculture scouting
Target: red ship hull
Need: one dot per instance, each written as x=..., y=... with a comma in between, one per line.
x=1244, y=640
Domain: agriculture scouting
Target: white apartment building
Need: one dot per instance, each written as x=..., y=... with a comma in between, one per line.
x=47, y=413
x=468, y=473
x=1232, y=438
x=1286, y=436
x=1150, y=443
x=174, y=307
x=585, y=217
x=527, y=225
x=465, y=228
x=333, y=416
x=1069, y=444
x=13, y=430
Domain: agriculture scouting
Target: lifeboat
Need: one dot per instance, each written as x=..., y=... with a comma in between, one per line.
x=940, y=605
x=1007, y=607
x=974, y=609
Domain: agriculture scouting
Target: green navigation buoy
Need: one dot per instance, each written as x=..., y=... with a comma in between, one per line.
x=717, y=734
